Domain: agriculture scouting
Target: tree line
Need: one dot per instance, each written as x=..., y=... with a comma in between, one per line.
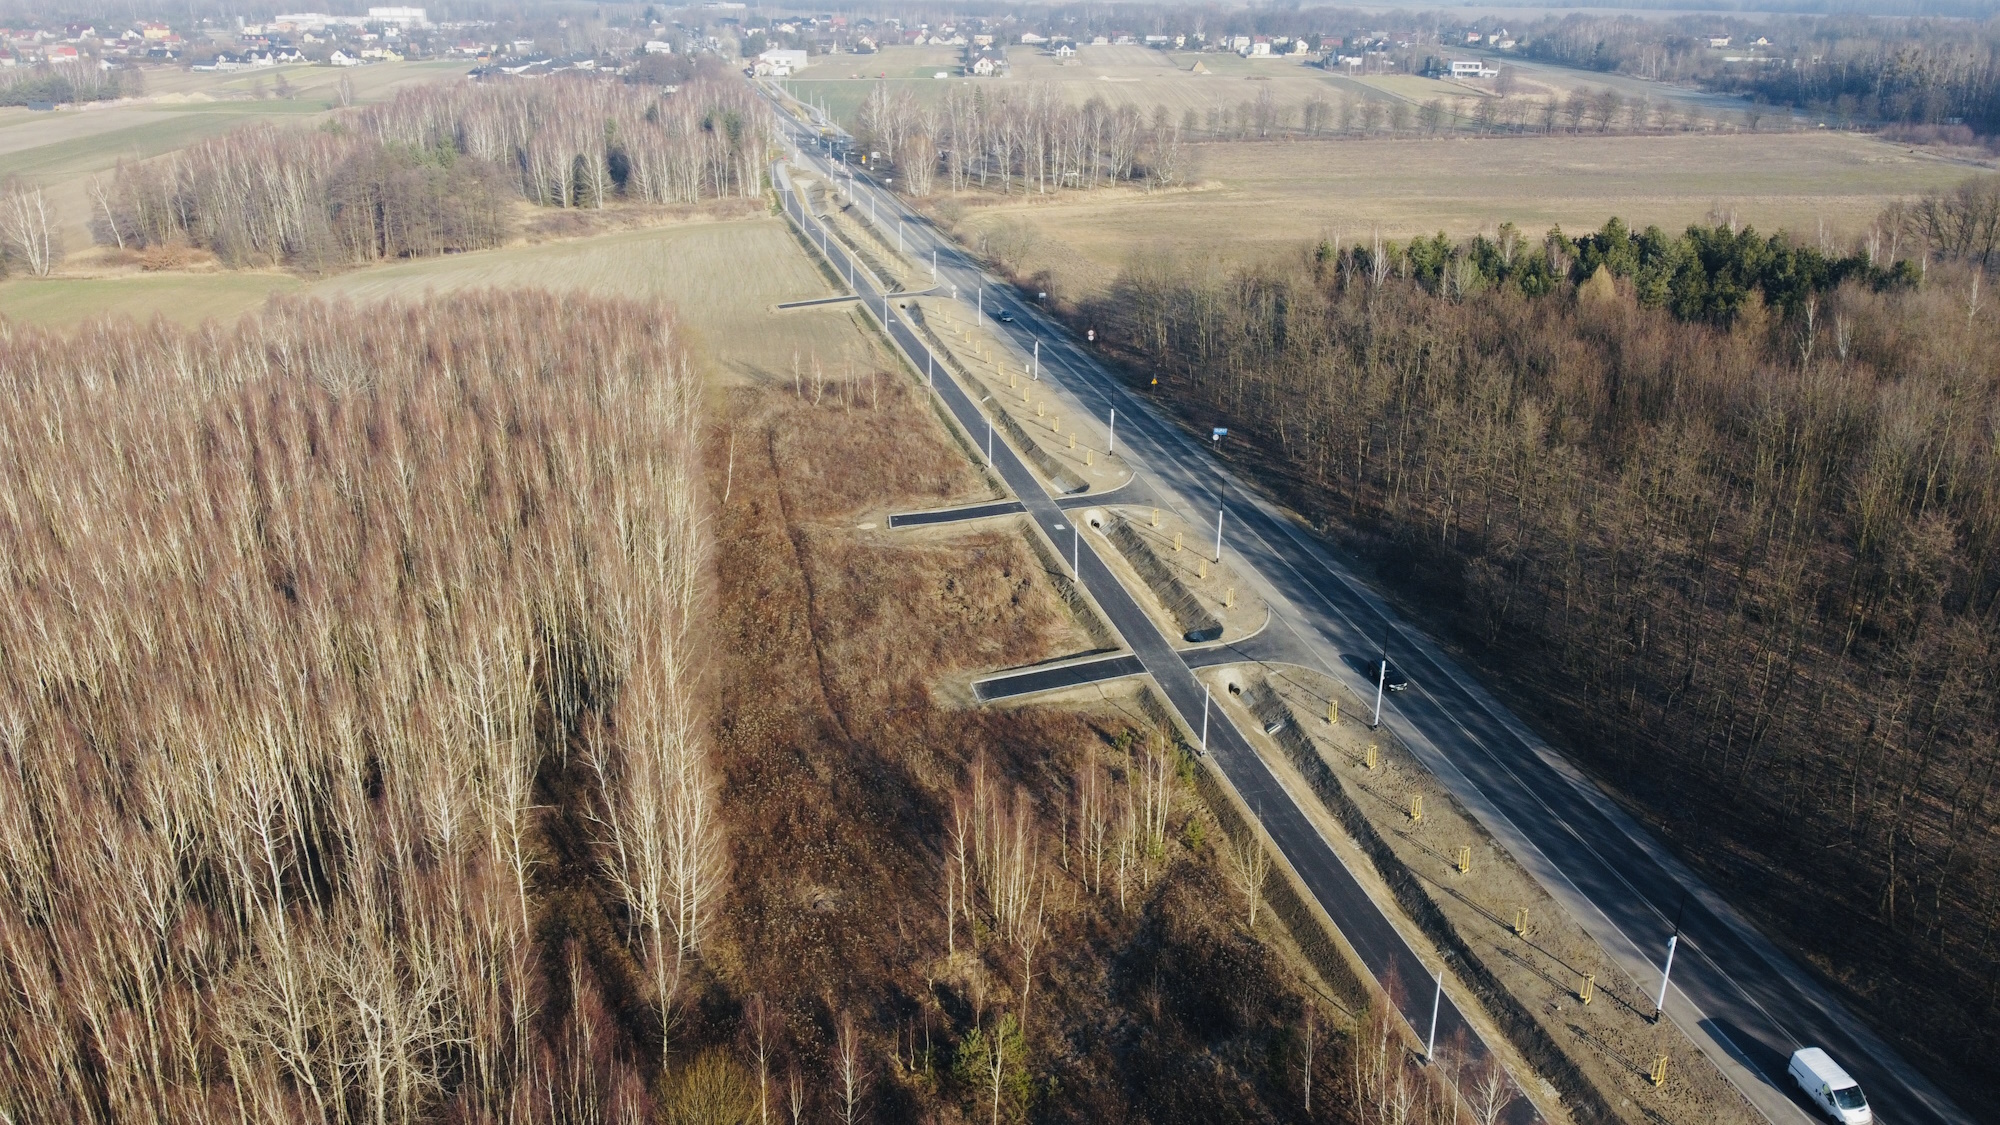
x=437, y=169
x=1723, y=513
x=65, y=83
x=1706, y=273
x=311, y=617
x=1026, y=138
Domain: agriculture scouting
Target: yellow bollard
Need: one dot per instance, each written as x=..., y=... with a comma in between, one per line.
x=1521, y=921
x=1589, y=988
x=1464, y=860
x=1156, y=517
x=1659, y=1075
x=1416, y=808
x=1177, y=540
x=1041, y=409
x=1229, y=598
x=1086, y=457
x=1201, y=568
x=1011, y=378
x=1072, y=439
x=1333, y=713
x=1373, y=759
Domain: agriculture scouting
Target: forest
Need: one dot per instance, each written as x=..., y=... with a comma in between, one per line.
x=457, y=712
x=1861, y=70
x=1720, y=513
x=307, y=616
x=438, y=169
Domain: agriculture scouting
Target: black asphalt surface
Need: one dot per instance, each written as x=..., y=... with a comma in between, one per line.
x=1730, y=984
x=1013, y=685
x=1374, y=939
x=955, y=515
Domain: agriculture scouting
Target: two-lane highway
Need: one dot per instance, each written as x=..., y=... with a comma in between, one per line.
x=1734, y=993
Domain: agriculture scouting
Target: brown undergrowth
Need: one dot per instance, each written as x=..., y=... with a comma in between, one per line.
x=940, y=882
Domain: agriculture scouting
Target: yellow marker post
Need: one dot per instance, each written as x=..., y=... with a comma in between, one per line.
x=1086, y=457
x=1589, y=988
x=1521, y=921
x=1177, y=540
x=1416, y=808
x=1659, y=1075
x=1333, y=713
x=1156, y=517
x=1072, y=440
x=1229, y=598
x=1373, y=759
x=1201, y=568
x=1465, y=860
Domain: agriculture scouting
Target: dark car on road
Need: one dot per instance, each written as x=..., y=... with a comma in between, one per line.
x=1004, y=316
x=1370, y=668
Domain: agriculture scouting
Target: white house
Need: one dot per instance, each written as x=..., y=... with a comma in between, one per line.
x=1064, y=51
x=1471, y=68
x=342, y=58
x=780, y=62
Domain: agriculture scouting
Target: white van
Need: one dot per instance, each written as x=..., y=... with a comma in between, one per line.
x=1830, y=1088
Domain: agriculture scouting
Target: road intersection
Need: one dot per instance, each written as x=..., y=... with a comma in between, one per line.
x=1738, y=997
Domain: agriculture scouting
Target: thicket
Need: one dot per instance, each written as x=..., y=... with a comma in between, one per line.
x=1728, y=527
x=437, y=169
x=349, y=718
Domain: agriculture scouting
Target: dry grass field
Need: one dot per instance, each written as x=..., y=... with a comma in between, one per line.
x=1256, y=199
x=724, y=278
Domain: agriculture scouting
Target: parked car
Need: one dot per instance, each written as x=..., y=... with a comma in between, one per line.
x=1370, y=668
x=1830, y=1088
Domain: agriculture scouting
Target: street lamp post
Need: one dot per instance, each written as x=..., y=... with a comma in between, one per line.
x=1666, y=971
x=1381, y=680
x=1437, y=1002
x=1204, y=720
x=1218, y=536
x=1038, y=361
x=1111, y=435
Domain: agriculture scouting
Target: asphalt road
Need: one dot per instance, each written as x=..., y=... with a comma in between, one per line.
x=954, y=515
x=1367, y=929
x=1028, y=681
x=1745, y=1003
